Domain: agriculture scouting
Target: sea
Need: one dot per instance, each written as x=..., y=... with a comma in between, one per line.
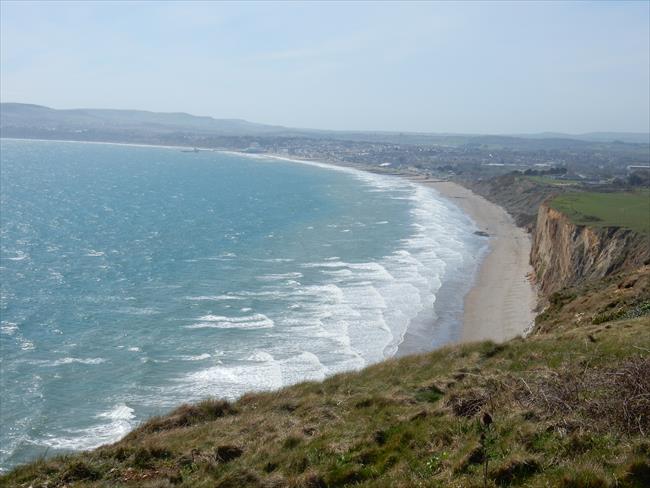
x=136, y=278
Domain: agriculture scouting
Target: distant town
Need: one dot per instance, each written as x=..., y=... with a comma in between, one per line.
x=592, y=159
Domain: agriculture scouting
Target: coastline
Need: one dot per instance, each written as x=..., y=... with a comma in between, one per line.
x=501, y=301
x=500, y=304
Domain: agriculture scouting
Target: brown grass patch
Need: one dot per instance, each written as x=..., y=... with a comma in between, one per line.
x=615, y=397
x=468, y=403
x=186, y=416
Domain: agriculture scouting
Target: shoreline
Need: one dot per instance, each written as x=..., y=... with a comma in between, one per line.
x=501, y=300
x=500, y=304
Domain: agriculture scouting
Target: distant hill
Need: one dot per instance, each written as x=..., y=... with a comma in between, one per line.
x=36, y=121
x=628, y=137
x=40, y=117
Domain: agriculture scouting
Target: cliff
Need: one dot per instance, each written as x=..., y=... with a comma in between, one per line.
x=565, y=253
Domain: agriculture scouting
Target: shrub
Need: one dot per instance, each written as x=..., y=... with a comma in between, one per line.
x=469, y=403
x=79, y=471
x=617, y=397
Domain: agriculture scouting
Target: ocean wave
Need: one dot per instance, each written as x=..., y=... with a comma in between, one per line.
x=255, y=321
x=259, y=371
x=70, y=360
x=20, y=256
x=138, y=310
x=326, y=264
x=93, y=253
x=273, y=260
x=119, y=412
x=280, y=276
x=212, y=298
x=121, y=419
x=8, y=328
x=198, y=357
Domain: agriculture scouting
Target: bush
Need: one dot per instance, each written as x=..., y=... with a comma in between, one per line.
x=79, y=471
x=614, y=398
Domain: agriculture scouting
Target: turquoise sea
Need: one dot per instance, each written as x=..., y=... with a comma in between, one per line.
x=137, y=278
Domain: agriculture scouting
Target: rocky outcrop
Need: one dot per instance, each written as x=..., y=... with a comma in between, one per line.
x=566, y=254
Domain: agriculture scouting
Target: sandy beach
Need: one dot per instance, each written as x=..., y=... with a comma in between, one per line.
x=501, y=303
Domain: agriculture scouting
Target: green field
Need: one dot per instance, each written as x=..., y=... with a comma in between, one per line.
x=545, y=180
x=625, y=209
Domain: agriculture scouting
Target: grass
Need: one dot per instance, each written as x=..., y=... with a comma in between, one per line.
x=566, y=408
x=616, y=297
x=546, y=180
x=621, y=209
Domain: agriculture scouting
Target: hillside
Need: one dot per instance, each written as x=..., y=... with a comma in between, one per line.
x=17, y=116
x=568, y=408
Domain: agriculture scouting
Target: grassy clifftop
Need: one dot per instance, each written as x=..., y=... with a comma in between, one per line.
x=617, y=209
x=567, y=408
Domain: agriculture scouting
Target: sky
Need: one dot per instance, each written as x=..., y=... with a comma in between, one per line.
x=480, y=67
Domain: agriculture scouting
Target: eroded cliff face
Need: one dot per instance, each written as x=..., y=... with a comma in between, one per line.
x=565, y=254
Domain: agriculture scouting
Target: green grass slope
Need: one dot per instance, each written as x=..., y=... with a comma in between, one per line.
x=620, y=209
x=565, y=408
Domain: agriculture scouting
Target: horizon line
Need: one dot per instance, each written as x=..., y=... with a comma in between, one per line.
x=553, y=133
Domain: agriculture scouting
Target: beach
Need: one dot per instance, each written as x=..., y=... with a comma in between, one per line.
x=501, y=302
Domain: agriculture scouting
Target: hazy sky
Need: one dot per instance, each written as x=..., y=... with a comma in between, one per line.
x=439, y=67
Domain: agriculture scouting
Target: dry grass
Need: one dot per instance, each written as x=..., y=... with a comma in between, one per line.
x=606, y=399
x=185, y=416
x=618, y=297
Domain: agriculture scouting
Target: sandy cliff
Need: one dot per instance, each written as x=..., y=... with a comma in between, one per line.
x=565, y=254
